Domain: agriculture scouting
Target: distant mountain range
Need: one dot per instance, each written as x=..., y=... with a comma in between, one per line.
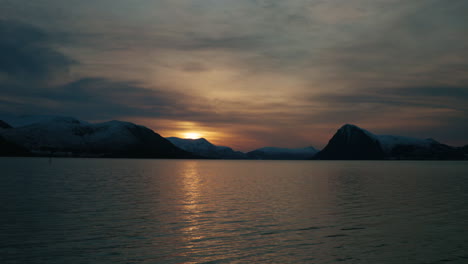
x=8, y=148
x=68, y=136
x=273, y=153
x=353, y=143
x=204, y=148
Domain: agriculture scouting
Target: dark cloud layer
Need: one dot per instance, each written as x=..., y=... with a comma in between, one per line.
x=27, y=59
x=95, y=98
x=25, y=53
x=431, y=97
x=282, y=73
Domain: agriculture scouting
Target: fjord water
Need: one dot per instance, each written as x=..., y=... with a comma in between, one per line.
x=196, y=211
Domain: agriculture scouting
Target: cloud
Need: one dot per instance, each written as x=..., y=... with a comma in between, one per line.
x=261, y=65
x=25, y=53
x=101, y=99
x=416, y=44
x=29, y=61
x=428, y=97
x=438, y=112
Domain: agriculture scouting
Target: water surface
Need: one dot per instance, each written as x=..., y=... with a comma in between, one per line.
x=191, y=211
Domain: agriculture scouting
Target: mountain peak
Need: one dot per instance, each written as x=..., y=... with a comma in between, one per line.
x=283, y=153
x=201, y=140
x=70, y=136
x=349, y=126
x=351, y=142
x=26, y=120
x=203, y=147
x=349, y=129
x=433, y=141
x=4, y=124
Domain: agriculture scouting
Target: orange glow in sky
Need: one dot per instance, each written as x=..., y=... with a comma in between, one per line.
x=192, y=135
x=243, y=74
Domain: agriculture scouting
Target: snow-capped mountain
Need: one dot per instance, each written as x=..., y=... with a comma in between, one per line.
x=388, y=142
x=283, y=153
x=204, y=148
x=354, y=143
x=25, y=120
x=70, y=136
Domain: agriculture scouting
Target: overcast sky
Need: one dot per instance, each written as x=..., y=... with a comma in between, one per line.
x=243, y=73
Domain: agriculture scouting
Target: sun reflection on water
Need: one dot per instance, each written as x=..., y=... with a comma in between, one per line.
x=192, y=201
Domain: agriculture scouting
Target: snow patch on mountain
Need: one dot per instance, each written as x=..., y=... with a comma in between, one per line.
x=389, y=142
x=25, y=120
x=67, y=134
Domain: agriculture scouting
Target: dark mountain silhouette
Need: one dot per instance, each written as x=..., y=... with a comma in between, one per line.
x=11, y=149
x=436, y=151
x=353, y=143
x=204, y=148
x=272, y=153
x=8, y=148
x=464, y=149
x=4, y=125
x=67, y=136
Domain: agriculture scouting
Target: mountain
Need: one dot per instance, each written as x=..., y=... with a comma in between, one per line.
x=25, y=120
x=353, y=143
x=434, y=151
x=407, y=148
x=69, y=136
x=464, y=149
x=4, y=125
x=273, y=153
x=204, y=148
x=11, y=149
x=8, y=148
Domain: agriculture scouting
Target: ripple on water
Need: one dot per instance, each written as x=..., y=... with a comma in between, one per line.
x=161, y=211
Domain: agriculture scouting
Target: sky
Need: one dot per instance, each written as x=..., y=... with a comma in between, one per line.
x=242, y=73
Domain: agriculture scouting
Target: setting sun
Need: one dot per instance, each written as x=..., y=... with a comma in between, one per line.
x=192, y=135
